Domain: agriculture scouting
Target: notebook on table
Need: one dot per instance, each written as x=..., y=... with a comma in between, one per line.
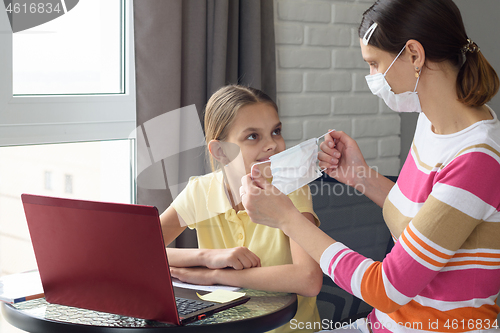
x=109, y=257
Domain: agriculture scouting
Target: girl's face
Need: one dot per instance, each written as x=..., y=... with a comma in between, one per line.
x=256, y=130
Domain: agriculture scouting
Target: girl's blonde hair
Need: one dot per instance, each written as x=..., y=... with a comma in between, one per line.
x=223, y=106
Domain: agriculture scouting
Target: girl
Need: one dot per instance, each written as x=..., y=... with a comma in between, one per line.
x=242, y=128
x=443, y=274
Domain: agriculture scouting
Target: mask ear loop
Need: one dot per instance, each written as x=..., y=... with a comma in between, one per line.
x=395, y=59
x=317, y=141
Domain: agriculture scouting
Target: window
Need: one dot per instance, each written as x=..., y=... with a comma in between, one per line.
x=86, y=52
x=66, y=115
x=76, y=96
x=100, y=171
x=89, y=170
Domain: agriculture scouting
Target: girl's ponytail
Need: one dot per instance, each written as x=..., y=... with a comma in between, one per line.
x=477, y=81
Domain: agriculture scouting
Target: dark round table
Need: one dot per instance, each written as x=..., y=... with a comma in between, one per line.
x=264, y=311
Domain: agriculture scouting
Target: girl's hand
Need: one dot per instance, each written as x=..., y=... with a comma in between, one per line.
x=264, y=203
x=194, y=275
x=237, y=258
x=342, y=158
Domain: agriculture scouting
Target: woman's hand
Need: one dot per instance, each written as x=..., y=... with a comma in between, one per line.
x=342, y=158
x=264, y=203
x=237, y=258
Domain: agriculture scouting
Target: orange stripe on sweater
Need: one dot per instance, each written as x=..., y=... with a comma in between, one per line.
x=427, y=247
x=420, y=254
x=477, y=254
x=373, y=290
x=473, y=262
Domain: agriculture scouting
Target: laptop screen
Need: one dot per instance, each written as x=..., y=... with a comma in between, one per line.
x=102, y=256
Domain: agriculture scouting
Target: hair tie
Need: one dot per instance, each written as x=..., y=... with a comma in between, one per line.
x=470, y=47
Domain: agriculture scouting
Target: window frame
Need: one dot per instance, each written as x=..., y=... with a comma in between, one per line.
x=46, y=119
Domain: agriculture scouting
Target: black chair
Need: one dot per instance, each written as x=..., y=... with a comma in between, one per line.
x=349, y=217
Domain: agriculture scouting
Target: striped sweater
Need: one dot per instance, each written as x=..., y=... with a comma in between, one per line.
x=443, y=274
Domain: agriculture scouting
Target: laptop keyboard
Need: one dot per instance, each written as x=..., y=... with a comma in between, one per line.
x=186, y=306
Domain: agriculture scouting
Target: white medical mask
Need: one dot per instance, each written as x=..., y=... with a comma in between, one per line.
x=404, y=102
x=296, y=166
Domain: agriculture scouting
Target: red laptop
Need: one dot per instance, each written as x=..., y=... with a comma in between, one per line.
x=108, y=257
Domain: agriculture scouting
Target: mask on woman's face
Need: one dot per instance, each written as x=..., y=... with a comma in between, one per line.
x=404, y=102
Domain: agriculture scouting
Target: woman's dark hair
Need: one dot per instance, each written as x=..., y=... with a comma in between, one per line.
x=438, y=26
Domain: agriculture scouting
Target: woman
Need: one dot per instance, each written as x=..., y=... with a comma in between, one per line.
x=443, y=273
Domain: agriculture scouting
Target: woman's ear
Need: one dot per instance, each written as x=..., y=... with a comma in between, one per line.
x=215, y=149
x=416, y=53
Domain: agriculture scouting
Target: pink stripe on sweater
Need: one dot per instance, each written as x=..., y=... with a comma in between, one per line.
x=413, y=183
x=473, y=172
x=345, y=269
x=396, y=266
x=330, y=267
x=449, y=286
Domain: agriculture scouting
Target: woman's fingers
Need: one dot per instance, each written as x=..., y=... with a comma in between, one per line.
x=264, y=203
x=327, y=162
x=337, y=136
x=324, y=147
x=331, y=157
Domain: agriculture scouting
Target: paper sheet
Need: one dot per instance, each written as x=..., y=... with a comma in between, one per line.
x=177, y=283
x=221, y=296
x=20, y=287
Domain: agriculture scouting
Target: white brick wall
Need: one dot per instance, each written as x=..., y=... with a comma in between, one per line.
x=321, y=79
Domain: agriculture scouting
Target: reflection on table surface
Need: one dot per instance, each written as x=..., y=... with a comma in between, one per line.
x=261, y=303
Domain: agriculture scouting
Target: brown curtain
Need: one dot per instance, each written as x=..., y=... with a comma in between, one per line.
x=184, y=51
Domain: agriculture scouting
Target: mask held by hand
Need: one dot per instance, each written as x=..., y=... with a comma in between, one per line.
x=296, y=166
